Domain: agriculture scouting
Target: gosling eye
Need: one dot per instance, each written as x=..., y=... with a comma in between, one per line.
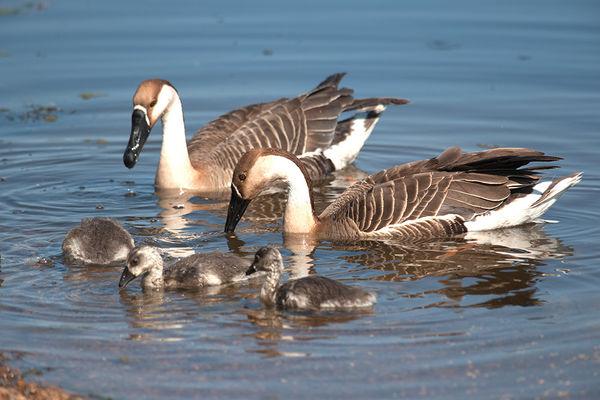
x=153, y=103
x=242, y=176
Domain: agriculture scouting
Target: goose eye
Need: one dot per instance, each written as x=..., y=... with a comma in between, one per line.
x=153, y=103
x=135, y=261
x=242, y=176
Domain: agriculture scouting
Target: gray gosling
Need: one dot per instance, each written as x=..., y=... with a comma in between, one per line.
x=101, y=241
x=195, y=271
x=308, y=293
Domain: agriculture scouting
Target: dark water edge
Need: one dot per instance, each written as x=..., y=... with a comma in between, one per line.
x=511, y=315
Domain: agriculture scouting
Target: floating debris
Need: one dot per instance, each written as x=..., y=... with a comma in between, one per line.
x=35, y=112
x=443, y=45
x=27, y=6
x=90, y=95
x=99, y=207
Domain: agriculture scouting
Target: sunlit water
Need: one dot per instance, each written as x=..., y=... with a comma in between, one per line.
x=514, y=315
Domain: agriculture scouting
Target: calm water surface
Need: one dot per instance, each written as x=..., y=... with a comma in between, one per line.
x=511, y=315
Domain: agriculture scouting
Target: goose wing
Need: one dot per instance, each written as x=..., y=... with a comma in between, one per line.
x=433, y=197
x=299, y=125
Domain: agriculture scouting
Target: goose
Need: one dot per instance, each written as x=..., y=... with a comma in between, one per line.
x=452, y=193
x=195, y=271
x=308, y=293
x=101, y=241
x=306, y=126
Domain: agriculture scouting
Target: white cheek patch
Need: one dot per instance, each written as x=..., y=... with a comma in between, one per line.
x=143, y=109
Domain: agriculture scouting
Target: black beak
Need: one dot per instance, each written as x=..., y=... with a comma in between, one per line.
x=139, y=133
x=126, y=277
x=237, y=208
x=251, y=270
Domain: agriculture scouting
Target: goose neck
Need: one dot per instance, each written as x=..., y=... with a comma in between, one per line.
x=174, y=167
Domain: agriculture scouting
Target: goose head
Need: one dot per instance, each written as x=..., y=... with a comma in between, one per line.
x=257, y=171
x=141, y=261
x=150, y=101
x=266, y=259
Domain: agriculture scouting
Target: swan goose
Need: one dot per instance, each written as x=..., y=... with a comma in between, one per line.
x=450, y=194
x=306, y=126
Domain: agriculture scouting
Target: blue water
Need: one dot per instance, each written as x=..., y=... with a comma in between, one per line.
x=515, y=317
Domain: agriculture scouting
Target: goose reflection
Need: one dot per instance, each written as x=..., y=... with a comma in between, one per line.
x=501, y=267
x=262, y=215
x=162, y=315
x=274, y=327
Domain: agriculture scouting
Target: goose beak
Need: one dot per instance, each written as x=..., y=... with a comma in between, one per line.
x=237, y=207
x=126, y=277
x=139, y=133
x=251, y=270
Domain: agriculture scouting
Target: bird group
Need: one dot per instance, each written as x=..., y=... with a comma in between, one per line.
x=292, y=142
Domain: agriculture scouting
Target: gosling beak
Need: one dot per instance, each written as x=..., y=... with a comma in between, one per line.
x=126, y=277
x=139, y=133
x=237, y=208
x=251, y=270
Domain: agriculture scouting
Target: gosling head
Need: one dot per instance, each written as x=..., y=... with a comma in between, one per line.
x=141, y=261
x=257, y=171
x=152, y=98
x=266, y=259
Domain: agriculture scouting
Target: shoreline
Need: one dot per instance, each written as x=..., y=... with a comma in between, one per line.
x=13, y=386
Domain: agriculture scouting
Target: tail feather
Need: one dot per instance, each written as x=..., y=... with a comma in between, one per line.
x=527, y=208
x=350, y=136
x=556, y=188
x=374, y=103
x=351, y=133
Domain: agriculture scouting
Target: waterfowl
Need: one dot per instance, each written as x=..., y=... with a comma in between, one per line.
x=101, y=241
x=195, y=271
x=452, y=193
x=306, y=126
x=308, y=293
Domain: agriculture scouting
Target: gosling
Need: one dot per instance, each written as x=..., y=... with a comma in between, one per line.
x=195, y=271
x=101, y=241
x=311, y=293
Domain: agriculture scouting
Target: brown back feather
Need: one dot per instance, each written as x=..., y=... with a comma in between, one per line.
x=454, y=182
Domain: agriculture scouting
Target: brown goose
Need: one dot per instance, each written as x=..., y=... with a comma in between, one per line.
x=308, y=293
x=450, y=194
x=306, y=126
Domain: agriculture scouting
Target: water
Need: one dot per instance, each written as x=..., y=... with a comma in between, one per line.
x=515, y=317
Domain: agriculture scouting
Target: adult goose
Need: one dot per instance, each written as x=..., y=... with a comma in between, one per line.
x=450, y=194
x=195, y=271
x=308, y=293
x=306, y=126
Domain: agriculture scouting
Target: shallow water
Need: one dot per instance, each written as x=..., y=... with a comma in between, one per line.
x=513, y=315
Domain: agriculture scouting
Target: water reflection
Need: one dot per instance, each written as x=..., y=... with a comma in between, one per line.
x=274, y=327
x=502, y=265
x=268, y=208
